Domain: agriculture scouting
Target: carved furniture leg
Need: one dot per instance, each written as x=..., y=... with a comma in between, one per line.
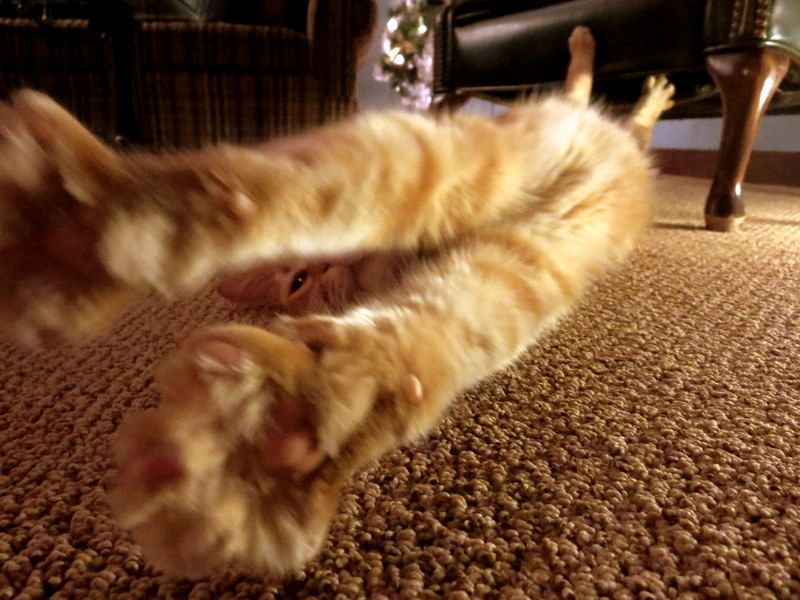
x=747, y=81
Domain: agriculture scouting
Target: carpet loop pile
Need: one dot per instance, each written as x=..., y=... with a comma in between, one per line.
x=647, y=448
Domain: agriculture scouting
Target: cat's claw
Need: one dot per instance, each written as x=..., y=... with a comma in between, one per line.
x=243, y=461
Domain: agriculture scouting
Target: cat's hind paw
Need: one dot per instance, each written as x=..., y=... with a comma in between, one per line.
x=243, y=461
x=219, y=473
x=657, y=97
x=578, y=84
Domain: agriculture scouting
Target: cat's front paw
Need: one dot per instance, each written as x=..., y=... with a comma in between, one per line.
x=243, y=461
x=52, y=175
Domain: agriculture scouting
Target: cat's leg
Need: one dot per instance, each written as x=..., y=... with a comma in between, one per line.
x=83, y=228
x=656, y=98
x=578, y=84
x=257, y=433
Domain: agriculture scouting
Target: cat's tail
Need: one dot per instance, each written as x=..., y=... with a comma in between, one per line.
x=580, y=77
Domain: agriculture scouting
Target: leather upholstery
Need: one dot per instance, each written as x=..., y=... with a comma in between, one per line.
x=785, y=31
x=531, y=47
x=468, y=11
x=504, y=47
x=733, y=23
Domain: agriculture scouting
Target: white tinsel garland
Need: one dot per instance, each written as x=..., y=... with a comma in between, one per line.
x=406, y=61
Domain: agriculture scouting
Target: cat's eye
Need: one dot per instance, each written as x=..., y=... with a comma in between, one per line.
x=298, y=281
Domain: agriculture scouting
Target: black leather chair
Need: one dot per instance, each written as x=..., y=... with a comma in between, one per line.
x=726, y=57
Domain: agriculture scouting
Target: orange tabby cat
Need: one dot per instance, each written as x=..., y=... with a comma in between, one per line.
x=258, y=430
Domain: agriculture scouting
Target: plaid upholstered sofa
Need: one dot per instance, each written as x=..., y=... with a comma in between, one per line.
x=188, y=72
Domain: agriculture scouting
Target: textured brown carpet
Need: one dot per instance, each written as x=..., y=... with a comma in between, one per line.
x=649, y=448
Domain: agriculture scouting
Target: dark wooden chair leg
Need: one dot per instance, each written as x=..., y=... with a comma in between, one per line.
x=747, y=81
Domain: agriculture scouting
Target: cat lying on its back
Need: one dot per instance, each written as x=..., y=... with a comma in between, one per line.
x=467, y=238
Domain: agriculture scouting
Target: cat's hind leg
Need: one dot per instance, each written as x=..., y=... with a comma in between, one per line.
x=657, y=93
x=578, y=84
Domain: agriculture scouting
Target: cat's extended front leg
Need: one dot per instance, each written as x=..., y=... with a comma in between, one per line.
x=244, y=460
x=84, y=229
x=385, y=182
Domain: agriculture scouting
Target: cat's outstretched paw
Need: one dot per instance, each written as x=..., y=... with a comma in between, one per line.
x=243, y=461
x=52, y=174
x=657, y=97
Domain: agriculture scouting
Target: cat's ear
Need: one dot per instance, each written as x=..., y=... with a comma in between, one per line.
x=39, y=128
